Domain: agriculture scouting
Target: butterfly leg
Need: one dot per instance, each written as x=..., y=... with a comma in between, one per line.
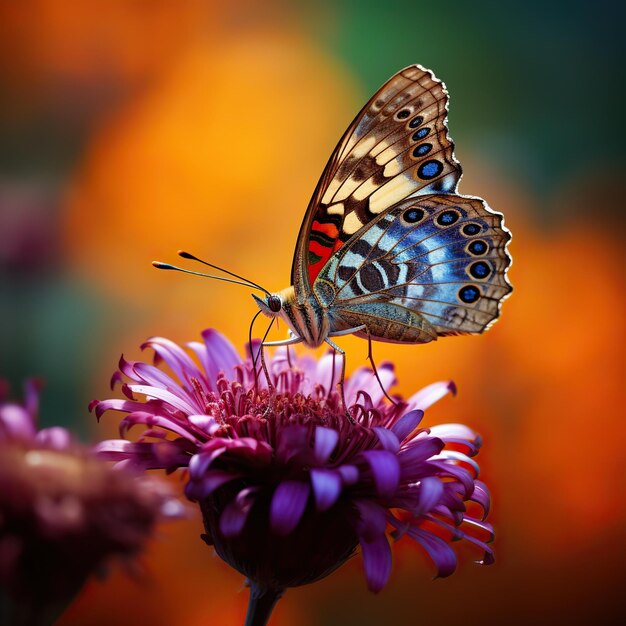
x=336, y=348
x=282, y=342
x=270, y=385
x=370, y=357
x=349, y=331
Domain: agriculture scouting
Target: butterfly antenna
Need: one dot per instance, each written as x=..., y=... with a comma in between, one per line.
x=167, y=266
x=188, y=255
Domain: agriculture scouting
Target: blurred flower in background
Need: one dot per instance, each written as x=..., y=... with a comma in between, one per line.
x=63, y=514
x=289, y=486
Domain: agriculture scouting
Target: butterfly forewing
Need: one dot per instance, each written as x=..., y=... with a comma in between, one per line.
x=398, y=146
x=437, y=262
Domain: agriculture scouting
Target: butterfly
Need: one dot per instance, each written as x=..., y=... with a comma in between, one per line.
x=388, y=249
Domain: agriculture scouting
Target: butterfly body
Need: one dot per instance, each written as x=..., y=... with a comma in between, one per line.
x=305, y=316
x=388, y=249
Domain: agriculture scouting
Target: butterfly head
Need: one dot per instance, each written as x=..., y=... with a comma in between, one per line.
x=271, y=305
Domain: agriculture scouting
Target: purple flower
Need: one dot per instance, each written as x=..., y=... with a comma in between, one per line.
x=287, y=485
x=63, y=512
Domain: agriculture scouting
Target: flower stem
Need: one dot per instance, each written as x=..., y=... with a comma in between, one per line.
x=262, y=602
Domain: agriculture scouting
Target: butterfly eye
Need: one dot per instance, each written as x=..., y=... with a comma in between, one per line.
x=274, y=303
x=470, y=229
x=469, y=294
x=447, y=218
x=412, y=216
x=416, y=121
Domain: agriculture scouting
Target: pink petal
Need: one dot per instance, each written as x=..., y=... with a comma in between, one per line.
x=430, y=492
x=372, y=520
x=453, y=431
x=221, y=356
x=377, y=561
x=325, y=442
x=288, y=504
x=327, y=485
x=438, y=550
x=210, y=481
x=407, y=424
x=54, y=437
x=429, y=395
x=175, y=357
x=385, y=468
x=387, y=438
x=329, y=370
x=235, y=514
x=16, y=422
x=165, y=396
x=481, y=496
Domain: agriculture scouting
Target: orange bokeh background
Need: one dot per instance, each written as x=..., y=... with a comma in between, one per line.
x=205, y=127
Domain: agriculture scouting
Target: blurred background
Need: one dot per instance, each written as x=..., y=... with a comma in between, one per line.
x=132, y=128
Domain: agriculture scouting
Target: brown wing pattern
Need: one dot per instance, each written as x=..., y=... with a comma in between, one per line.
x=397, y=146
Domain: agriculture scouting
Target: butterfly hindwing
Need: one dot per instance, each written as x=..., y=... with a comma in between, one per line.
x=397, y=146
x=440, y=256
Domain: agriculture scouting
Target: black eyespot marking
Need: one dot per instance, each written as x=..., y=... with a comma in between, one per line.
x=402, y=115
x=471, y=229
x=430, y=169
x=480, y=270
x=274, y=303
x=346, y=273
x=478, y=247
x=416, y=121
x=420, y=134
x=447, y=218
x=412, y=216
x=469, y=294
x=422, y=149
x=371, y=278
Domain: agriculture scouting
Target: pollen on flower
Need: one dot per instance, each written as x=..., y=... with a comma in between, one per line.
x=288, y=487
